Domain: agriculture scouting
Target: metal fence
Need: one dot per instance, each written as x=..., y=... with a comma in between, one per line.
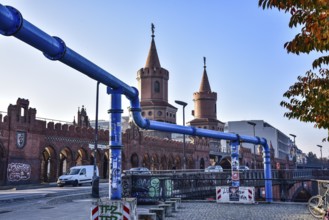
x=289, y=185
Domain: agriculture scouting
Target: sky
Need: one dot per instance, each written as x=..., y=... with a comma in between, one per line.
x=247, y=64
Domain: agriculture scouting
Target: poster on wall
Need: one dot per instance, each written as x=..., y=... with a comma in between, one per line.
x=229, y=194
x=234, y=194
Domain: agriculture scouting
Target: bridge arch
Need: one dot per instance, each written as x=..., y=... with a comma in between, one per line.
x=2, y=164
x=65, y=160
x=48, y=160
x=301, y=192
x=134, y=160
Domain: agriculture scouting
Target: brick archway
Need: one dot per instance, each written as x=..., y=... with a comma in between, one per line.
x=2, y=165
x=48, y=165
x=65, y=160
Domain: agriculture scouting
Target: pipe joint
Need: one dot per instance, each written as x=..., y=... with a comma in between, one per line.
x=61, y=50
x=16, y=21
x=115, y=111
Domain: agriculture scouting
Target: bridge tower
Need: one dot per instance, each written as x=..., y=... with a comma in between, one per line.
x=153, y=88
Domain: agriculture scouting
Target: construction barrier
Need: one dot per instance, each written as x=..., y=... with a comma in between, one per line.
x=126, y=209
x=231, y=194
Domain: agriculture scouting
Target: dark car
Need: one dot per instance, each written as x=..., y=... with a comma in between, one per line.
x=138, y=170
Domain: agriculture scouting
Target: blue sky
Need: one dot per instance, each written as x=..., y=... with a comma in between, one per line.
x=246, y=63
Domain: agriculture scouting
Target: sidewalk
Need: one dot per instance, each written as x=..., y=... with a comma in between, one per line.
x=78, y=206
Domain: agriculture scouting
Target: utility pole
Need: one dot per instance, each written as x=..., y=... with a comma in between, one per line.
x=95, y=182
x=320, y=146
x=184, y=104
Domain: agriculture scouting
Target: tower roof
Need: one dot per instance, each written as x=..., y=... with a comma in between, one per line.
x=152, y=58
x=204, y=86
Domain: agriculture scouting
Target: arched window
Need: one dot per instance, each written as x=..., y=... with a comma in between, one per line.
x=156, y=86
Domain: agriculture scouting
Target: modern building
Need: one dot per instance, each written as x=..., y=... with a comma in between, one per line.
x=280, y=142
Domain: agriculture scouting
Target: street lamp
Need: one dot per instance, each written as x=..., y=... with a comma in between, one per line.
x=254, y=125
x=320, y=146
x=95, y=182
x=184, y=104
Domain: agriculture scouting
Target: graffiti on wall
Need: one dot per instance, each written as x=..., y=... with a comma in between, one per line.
x=18, y=172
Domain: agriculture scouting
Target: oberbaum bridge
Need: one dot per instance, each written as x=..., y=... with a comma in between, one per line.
x=234, y=186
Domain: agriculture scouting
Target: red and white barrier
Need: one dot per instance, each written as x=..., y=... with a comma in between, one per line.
x=228, y=194
x=126, y=209
x=94, y=213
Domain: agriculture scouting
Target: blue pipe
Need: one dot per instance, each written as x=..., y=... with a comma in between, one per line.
x=12, y=23
x=267, y=173
x=115, y=144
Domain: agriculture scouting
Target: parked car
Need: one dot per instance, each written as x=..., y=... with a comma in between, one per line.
x=78, y=175
x=216, y=168
x=243, y=168
x=138, y=170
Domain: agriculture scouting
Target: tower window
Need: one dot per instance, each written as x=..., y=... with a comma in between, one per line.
x=156, y=86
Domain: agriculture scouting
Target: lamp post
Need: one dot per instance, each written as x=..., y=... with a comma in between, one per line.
x=295, y=150
x=184, y=104
x=320, y=146
x=95, y=182
x=254, y=125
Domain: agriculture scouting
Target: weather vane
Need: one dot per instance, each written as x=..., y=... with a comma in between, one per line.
x=204, y=61
x=152, y=28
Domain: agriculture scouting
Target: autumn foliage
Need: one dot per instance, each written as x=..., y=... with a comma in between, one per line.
x=308, y=98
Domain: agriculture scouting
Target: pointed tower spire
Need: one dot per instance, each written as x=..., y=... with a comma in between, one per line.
x=152, y=60
x=204, y=86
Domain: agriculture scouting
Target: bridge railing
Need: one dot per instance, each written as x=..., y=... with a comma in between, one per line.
x=197, y=184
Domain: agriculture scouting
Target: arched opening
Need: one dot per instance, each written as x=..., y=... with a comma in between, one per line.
x=65, y=161
x=81, y=157
x=123, y=161
x=301, y=195
x=202, y=164
x=155, y=162
x=134, y=160
x=178, y=162
x=146, y=161
x=98, y=159
x=190, y=163
x=171, y=164
x=163, y=164
x=2, y=165
x=156, y=86
x=106, y=165
x=226, y=163
x=48, y=165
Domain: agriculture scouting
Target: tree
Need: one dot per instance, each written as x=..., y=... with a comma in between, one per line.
x=312, y=158
x=308, y=98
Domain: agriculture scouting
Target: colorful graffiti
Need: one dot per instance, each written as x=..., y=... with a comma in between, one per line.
x=151, y=188
x=18, y=172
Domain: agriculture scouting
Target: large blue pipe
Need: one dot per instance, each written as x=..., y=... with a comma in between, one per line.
x=12, y=24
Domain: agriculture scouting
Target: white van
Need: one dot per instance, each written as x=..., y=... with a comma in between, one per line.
x=78, y=175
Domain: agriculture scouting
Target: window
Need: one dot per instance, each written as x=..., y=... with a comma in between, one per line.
x=156, y=86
